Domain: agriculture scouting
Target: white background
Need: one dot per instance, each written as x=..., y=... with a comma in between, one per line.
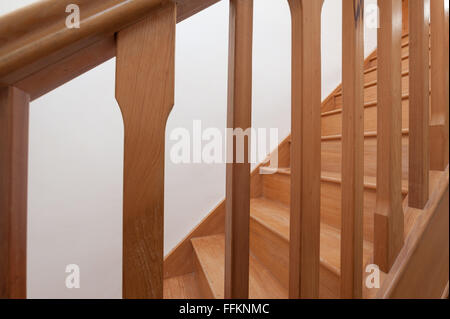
x=76, y=144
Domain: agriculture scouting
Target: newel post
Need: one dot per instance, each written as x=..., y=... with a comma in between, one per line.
x=304, y=258
x=145, y=93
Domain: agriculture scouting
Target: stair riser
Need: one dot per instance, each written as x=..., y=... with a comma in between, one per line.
x=330, y=201
x=272, y=250
x=370, y=93
x=205, y=290
x=332, y=156
x=332, y=123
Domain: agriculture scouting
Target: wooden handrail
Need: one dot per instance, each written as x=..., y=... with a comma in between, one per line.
x=41, y=44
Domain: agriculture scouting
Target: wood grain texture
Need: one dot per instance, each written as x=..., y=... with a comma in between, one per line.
x=63, y=54
x=179, y=261
x=182, y=287
x=419, y=109
x=389, y=213
x=210, y=254
x=422, y=268
x=305, y=149
x=238, y=174
x=188, y=8
x=145, y=93
x=439, y=148
x=352, y=149
x=43, y=38
x=14, y=110
x=61, y=72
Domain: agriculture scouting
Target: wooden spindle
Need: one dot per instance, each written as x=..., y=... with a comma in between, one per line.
x=238, y=174
x=304, y=258
x=388, y=221
x=419, y=97
x=145, y=93
x=14, y=110
x=352, y=148
x=439, y=124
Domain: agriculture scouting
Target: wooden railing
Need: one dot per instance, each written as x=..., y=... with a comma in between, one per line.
x=40, y=54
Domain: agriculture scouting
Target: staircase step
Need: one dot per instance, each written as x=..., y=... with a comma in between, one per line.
x=182, y=287
x=370, y=93
x=332, y=120
x=210, y=258
x=331, y=150
x=269, y=242
x=276, y=187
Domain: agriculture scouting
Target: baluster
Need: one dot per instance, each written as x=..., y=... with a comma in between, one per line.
x=238, y=174
x=419, y=97
x=439, y=86
x=304, y=258
x=352, y=148
x=145, y=93
x=388, y=221
x=14, y=108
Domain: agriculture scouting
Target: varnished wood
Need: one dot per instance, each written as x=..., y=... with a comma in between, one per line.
x=14, y=110
x=36, y=36
x=211, y=258
x=238, y=174
x=182, y=287
x=145, y=93
x=61, y=72
x=352, y=148
x=269, y=240
x=40, y=53
x=439, y=129
x=276, y=188
x=389, y=213
x=422, y=268
x=305, y=149
x=179, y=261
x=188, y=8
x=419, y=109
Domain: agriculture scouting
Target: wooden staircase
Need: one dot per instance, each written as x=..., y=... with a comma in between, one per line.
x=269, y=212
x=279, y=249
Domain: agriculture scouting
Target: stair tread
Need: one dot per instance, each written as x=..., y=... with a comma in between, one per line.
x=181, y=287
x=370, y=182
x=210, y=252
x=275, y=216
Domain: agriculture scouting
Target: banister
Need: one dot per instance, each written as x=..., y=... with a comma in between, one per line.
x=42, y=39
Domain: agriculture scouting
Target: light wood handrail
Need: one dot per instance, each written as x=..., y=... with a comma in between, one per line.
x=42, y=45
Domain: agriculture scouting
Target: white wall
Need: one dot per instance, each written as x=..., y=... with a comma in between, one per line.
x=76, y=151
